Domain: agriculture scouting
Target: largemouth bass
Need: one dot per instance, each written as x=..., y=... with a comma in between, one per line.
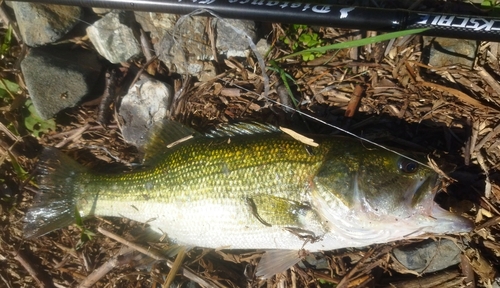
x=249, y=186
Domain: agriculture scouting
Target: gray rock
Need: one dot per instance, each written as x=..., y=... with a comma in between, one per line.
x=113, y=39
x=101, y=11
x=196, y=63
x=161, y=27
x=155, y=23
x=58, y=79
x=146, y=103
x=262, y=46
x=189, y=284
x=233, y=44
x=191, y=33
x=428, y=256
x=442, y=52
x=317, y=260
x=41, y=24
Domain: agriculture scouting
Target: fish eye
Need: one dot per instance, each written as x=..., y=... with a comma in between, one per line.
x=407, y=165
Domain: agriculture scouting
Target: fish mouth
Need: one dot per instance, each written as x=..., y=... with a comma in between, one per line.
x=448, y=222
x=436, y=220
x=442, y=220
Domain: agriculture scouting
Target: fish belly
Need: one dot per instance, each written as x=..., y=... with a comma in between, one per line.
x=221, y=224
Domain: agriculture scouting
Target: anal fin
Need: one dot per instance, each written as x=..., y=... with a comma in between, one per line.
x=276, y=261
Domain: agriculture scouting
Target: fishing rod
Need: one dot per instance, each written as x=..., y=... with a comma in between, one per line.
x=483, y=28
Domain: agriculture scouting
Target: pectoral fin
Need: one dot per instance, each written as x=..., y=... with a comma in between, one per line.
x=276, y=261
x=297, y=218
x=276, y=211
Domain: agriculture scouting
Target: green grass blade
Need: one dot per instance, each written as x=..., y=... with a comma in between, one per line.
x=4, y=49
x=356, y=43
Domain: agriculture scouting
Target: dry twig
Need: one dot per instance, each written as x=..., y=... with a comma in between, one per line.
x=41, y=281
x=459, y=94
x=188, y=273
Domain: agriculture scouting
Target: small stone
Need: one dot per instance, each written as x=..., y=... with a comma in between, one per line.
x=262, y=47
x=317, y=260
x=113, y=39
x=57, y=79
x=428, y=256
x=442, y=52
x=41, y=24
x=191, y=35
x=146, y=103
x=176, y=60
x=101, y=11
x=231, y=43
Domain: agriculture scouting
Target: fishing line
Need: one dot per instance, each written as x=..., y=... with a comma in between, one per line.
x=332, y=126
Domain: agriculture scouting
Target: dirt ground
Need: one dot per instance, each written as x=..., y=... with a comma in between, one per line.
x=385, y=92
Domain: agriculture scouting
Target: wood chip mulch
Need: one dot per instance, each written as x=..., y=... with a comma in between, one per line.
x=383, y=92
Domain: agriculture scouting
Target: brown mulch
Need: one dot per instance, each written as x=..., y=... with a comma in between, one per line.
x=384, y=92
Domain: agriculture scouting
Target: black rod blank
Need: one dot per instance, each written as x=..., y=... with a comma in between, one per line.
x=349, y=17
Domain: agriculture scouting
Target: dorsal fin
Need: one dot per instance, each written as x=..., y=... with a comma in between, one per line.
x=169, y=134
x=166, y=135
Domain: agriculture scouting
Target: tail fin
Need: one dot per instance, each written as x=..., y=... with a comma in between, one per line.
x=55, y=206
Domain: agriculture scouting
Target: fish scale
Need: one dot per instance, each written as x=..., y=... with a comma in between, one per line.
x=259, y=168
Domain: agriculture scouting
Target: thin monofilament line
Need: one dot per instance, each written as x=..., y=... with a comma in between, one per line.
x=332, y=126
